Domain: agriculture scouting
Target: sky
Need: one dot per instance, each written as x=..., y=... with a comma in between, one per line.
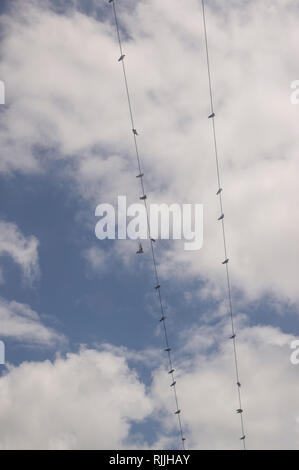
x=85, y=367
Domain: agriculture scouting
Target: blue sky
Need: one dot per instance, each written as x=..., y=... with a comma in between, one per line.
x=90, y=307
x=66, y=147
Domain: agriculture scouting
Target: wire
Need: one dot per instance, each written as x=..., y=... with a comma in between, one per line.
x=152, y=241
x=221, y=218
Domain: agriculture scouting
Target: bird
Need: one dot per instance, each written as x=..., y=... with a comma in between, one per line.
x=121, y=58
x=212, y=115
x=135, y=132
x=219, y=191
x=226, y=261
x=221, y=217
x=140, y=249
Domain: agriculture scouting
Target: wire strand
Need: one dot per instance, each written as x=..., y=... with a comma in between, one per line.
x=152, y=242
x=226, y=259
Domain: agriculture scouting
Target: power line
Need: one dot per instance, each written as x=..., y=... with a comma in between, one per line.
x=143, y=197
x=221, y=219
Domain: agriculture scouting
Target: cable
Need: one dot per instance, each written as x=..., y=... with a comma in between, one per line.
x=152, y=241
x=221, y=218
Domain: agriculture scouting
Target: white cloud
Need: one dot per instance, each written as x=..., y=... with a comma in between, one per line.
x=208, y=393
x=90, y=399
x=23, y=250
x=85, y=401
x=66, y=93
x=97, y=259
x=20, y=322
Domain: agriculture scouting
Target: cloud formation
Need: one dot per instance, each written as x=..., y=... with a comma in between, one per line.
x=65, y=100
x=67, y=96
x=20, y=322
x=23, y=250
x=91, y=399
x=85, y=401
x=208, y=392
